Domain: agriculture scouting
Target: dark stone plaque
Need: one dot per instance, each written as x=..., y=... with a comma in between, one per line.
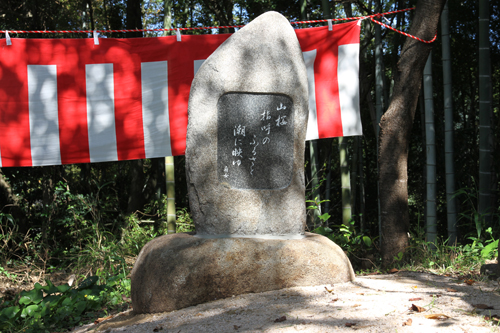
x=255, y=140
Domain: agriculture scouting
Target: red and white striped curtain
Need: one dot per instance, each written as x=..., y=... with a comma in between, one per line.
x=68, y=101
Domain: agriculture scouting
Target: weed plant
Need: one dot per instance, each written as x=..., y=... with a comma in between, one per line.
x=48, y=308
x=477, y=246
x=443, y=258
x=440, y=257
x=101, y=260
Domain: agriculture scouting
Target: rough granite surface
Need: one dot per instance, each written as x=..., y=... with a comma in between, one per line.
x=264, y=57
x=180, y=270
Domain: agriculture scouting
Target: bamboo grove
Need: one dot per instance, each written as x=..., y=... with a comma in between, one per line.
x=447, y=128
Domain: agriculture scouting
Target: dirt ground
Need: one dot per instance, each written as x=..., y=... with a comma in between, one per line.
x=400, y=302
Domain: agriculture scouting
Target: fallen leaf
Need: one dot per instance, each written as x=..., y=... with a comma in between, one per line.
x=417, y=308
x=437, y=316
x=350, y=324
x=451, y=290
x=356, y=305
x=236, y=327
x=360, y=293
x=470, y=282
x=408, y=322
x=482, y=306
x=334, y=300
x=100, y=320
x=436, y=296
x=415, y=299
x=199, y=314
x=494, y=317
x=374, y=273
x=393, y=270
x=280, y=319
x=329, y=290
x=157, y=328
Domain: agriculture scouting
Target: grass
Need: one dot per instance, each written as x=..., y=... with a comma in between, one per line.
x=101, y=266
x=461, y=260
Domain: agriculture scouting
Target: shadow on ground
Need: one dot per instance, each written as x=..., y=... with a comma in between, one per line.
x=378, y=303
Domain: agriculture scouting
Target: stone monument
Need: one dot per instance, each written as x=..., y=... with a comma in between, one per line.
x=245, y=141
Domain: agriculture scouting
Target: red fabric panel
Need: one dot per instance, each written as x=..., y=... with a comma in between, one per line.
x=325, y=71
x=126, y=55
x=180, y=76
x=70, y=58
x=128, y=100
x=15, y=145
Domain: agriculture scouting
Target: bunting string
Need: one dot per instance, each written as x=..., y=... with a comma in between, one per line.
x=371, y=17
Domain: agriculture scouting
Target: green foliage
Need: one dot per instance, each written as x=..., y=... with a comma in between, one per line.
x=442, y=257
x=184, y=222
x=135, y=235
x=48, y=308
x=470, y=219
x=348, y=238
x=316, y=205
x=9, y=276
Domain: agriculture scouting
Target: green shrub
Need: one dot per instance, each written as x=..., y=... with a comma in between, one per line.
x=48, y=308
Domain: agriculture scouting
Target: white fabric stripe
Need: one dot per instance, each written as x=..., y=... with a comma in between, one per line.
x=348, y=78
x=312, y=121
x=101, y=112
x=197, y=65
x=156, y=122
x=43, y=115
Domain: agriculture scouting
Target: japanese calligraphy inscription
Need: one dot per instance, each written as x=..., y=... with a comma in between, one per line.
x=245, y=140
x=255, y=140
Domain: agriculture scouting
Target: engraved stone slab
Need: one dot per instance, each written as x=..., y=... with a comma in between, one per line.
x=255, y=141
x=258, y=72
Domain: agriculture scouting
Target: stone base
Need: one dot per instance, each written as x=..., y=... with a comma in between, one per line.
x=181, y=270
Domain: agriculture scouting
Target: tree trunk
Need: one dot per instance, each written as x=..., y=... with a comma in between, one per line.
x=356, y=148
x=223, y=13
x=430, y=149
x=327, y=15
x=169, y=160
x=328, y=186
x=170, y=180
x=345, y=180
x=395, y=129
x=134, y=17
x=451, y=206
x=485, y=207
x=313, y=150
x=167, y=18
x=135, y=196
x=314, y=157
x=379, y=93
x=345, y=177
